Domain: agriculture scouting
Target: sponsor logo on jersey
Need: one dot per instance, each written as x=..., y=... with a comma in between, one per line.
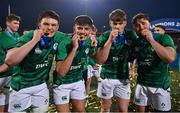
x=115, y=59
x=75, y=67
x=45, y=64
x=145, y=63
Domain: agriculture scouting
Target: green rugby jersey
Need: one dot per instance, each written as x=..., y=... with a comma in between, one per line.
x=75, y=72
x=116, y=66
x=152, y=71
x=35, y=67
x=6, y=42
x=89, y=61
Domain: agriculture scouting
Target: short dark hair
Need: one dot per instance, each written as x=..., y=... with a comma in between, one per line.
x=50, y=14
x=12, y=17
x=161, y=26
x=117, y=15
x=139, y=16
x=83, y=20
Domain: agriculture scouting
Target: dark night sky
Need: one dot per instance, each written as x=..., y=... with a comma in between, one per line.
x=97, y=9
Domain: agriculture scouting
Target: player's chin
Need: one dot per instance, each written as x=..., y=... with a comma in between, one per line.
x=83, y=37
x=51, y=34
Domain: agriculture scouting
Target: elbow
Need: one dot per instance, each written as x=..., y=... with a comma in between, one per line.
x=60, y=70
x=101, y=62
x=171, y=56
x=9, y=62
x=61, y=73
x=171, y=59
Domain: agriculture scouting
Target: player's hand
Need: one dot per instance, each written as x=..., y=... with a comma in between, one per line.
x=147, y=34
x=113, y=35
x=93, y=40
x=37, y=35
x=75, y=39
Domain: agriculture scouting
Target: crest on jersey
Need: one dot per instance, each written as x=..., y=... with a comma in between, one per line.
x=38, y=51
x=55, y=46
x=87, y=51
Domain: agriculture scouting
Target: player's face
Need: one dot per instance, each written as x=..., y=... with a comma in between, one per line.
x=13, y=25
x=141, y=24
x=82, y=31
x=159, y=30
x=49, y=25
x=93, y=32
x=120, y=25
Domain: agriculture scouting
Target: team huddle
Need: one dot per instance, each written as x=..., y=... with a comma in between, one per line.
x=25, y=63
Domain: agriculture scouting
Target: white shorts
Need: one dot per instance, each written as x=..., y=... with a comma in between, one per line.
x=93, y=72
x=158, y=97
x=4, y=90
x=35, y=96
x=65, y=92
x=108, y=88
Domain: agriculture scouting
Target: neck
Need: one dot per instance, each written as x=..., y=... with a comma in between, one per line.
x=10, y=30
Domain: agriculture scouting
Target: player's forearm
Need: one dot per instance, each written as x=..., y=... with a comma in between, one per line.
x=62, y=67
x=167, y=54
x=3, y=68
x=103, y=53
x=16, y=55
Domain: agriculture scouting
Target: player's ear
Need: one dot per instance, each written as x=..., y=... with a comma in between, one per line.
x=57, y=27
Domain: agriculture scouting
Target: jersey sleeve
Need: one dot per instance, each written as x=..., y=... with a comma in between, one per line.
x=64, y=49
x=103, y=38
x=167, y=41
x=91, y=62
x=7, y=42
x=24, y=39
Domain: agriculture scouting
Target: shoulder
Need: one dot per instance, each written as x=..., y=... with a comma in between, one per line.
x=28, y=35
x=3, y=34
x=167, y=36
x=106, y=34
x=25, y=38
x=60, y=36
x=6, y=41
x=162, y=36
x=130, y=33
x=164, y=39
x=4, y=37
